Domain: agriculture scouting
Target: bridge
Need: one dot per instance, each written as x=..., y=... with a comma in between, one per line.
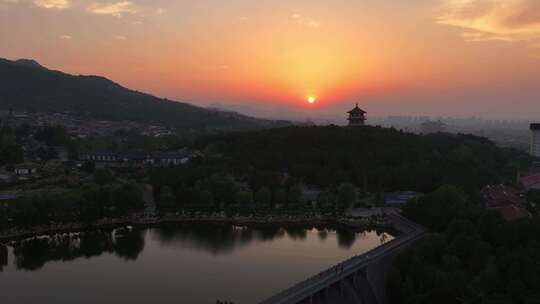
x=360, y=279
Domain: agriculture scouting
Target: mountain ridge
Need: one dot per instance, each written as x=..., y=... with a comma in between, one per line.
x=27, y=85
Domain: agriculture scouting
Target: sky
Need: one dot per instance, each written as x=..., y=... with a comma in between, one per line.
x=414, y=57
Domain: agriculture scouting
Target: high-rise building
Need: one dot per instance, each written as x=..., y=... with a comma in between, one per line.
x=535, y=140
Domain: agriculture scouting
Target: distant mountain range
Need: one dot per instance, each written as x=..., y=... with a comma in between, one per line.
x=25, y=85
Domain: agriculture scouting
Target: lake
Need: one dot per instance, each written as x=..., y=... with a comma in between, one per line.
x=195, y=263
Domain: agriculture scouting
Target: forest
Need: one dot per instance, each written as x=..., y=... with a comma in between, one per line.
x=107, y=198
x=470, y=256
x=374, y=159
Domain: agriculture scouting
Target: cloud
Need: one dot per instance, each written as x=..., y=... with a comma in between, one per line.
x=116, y=9
x=65, y=37
x=488, y=20
x=479, y=36
x=304, y=21
x=159, y=11
x=52, y=4
x=120, y=37
x=4, y=4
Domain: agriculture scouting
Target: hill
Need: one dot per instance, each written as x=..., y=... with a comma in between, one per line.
x=374, y=158
x=25, y=85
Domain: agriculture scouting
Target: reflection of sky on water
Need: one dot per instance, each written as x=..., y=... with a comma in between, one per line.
x=193, y=263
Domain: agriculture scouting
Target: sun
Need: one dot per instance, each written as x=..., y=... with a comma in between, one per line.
x=311, y=99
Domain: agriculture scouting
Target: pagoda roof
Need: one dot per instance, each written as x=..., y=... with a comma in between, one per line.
x=357, y=110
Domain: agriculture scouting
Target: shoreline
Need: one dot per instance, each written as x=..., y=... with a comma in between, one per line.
x=318, y=221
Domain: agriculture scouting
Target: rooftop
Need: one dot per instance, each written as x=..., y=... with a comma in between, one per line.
x=356, y=109
x=530, y=180
x=501, y=195
x=513, y=213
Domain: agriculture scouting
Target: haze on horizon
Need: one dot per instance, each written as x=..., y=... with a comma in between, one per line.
x=415, y=57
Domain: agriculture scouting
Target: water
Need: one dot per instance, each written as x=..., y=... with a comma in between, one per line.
x=172, y=264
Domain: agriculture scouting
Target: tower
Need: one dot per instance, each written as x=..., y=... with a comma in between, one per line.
x=356, y=117
x=535, y=140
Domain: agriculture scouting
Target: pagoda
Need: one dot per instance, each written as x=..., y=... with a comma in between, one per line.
x=357, y=117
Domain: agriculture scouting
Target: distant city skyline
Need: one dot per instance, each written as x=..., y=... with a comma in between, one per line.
x=438, y=58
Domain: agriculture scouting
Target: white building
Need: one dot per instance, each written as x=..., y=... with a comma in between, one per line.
x=535, y=140
x=25, y=169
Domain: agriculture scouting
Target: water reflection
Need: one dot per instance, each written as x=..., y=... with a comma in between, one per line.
x=32, y=254
x=129, y=245
x=297, y=233
x=219, y=239
x=215, y=238
x=323, y=234
x=3, y=256
x=346, y=238
x=190, y=263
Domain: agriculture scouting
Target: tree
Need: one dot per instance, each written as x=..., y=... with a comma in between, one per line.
x=294, y=195
x=103, y=177
x=88, y=166
x=245, y=199
x=166, y=199
x=93, y=202
x=10, y=151
x=392, y=161
x=126, y=196
x=473, y=257
x=46, y=153
x=346, y=196
x=223, y=188
x=326, y=200
x=263, y=198
x=52, y=135
x=280, y=196
x=435, y=210
x=206, y=199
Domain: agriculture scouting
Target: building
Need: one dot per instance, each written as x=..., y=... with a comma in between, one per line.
x=530, y=181
x=506, y=200
x=172, y=158
x=357, y=117
x=25, y=170
x=8, y=196
x=535, y=140
x=138, y=158
x=100, y=156
x=500, y=195
x=108, y=158
x=400, y=198
x=6, y=178
x=429, y=126
x=512, y=213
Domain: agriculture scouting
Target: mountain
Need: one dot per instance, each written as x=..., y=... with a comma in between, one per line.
x=25, y=85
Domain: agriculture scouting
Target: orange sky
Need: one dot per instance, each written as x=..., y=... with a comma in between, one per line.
x=440, y=57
